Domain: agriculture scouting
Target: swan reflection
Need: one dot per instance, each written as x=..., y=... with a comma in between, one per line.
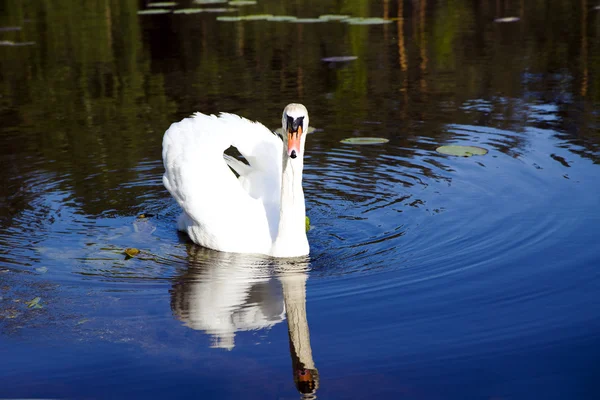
x=223, y=293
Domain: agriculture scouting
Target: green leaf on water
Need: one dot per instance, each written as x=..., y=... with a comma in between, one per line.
x=339, y=59
x=131, y=252
x=242, y=3
x=229, y=19
x=81, y=321
x=308, y=20
x=334, y=17
x=202, y=10
x=254, y=17
x=307, y=223
x=507, y=19
x=257, y=17
x=282, y=18
x=209, y=1
x=365, y=140
x=367, y=21
x=153, y=11
x=15, y=44
x=35, y=303
x=461, y=151
x=163, y=4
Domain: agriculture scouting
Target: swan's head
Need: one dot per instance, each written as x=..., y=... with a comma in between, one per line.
x=295, y=126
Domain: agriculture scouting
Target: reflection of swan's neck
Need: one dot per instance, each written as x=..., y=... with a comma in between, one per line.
x=291, y=236
x=294, y=295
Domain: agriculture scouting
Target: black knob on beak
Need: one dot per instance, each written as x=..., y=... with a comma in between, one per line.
x=293, y=154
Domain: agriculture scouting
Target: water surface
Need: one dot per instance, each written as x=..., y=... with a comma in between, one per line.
x=430, y=276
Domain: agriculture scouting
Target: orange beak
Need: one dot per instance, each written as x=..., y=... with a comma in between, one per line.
x=294, y=142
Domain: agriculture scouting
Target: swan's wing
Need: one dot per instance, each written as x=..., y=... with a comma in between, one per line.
x=263, y=150
x=227, y=210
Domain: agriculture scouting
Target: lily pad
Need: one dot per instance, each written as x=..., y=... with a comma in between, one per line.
x=507, y=19
x=35, y=303
x=309, y=20
x=242, y=3
x=163, y=4
x=282, y=18
x=229, y=19
x=339, y=59
x=153, y=11
x=461, y=151
x=334, y=17
x=367, y=21
x=131, y=252
x=365, y=140
x=279, y=131
x=256, y=17
x=15, y=44
x=202, y=10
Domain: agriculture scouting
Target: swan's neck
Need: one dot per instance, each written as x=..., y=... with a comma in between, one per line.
x=291, y=235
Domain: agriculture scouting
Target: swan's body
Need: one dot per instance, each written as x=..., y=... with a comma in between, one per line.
x=261, y=211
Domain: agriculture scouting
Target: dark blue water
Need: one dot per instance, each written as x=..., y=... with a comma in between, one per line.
x=430, y=276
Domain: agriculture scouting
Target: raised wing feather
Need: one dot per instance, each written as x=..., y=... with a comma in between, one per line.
x=220, y=211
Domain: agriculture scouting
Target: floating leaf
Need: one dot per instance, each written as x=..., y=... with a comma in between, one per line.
x=309, y=20
x=339, y=59
x=256, y=17
x=367, y=21
x=15, y=44
x=42, y=270
x=282, y=18
x=307, y=223
x=310, y=129
x=203, y=10
x=229, y=19
x=365, y=140
x=164, y=4
x=35, y=303
x=153, y=11
x=82, y=321
x=507, y=19
x=131, y=252
x=334, y=17
x=242, y=3
x=461, y=151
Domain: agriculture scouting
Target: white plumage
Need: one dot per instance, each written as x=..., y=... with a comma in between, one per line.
x=263, y=210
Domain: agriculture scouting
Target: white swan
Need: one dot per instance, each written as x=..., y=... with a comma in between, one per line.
x=262, y=211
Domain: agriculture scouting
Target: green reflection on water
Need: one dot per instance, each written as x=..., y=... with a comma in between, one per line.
x=91, y=99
